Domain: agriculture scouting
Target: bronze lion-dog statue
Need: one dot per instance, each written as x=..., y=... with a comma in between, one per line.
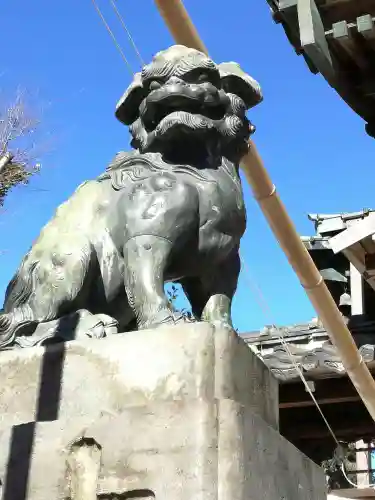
x=172, y=210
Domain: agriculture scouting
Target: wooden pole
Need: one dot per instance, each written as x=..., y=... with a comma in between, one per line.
x=184, y=33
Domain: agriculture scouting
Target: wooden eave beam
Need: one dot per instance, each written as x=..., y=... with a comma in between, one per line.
x=327, y=391
x=348, y=420
x=351, y=243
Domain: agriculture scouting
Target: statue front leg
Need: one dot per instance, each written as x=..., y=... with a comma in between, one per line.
x=146, y=257
x=211, y=294
x=222, y=285
x=161, y=216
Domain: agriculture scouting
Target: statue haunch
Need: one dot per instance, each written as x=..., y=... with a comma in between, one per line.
x=171, y=210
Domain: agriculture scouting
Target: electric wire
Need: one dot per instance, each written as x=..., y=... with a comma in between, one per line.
x=131, y=39
x=113, y=38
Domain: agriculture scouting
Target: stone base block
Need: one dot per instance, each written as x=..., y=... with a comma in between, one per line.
x=256, y=462
x=184, y=413
x=168, y=450
x=171, y=363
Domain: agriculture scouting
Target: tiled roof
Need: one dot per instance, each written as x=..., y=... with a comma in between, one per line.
x=310, y=347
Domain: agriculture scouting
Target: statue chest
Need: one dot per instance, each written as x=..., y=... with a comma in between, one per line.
x=222, y=205
x=148, y=191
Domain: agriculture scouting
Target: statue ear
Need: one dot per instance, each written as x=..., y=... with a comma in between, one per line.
x=236, y=81
x=127, y=109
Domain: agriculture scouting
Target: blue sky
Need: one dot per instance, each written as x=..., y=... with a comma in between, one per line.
x=313, y=145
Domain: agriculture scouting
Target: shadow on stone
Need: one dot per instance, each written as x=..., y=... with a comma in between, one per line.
x=22, y=438
x=21, y=447
x=144, y=493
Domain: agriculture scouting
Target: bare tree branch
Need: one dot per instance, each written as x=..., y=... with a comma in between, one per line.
x=18, y=152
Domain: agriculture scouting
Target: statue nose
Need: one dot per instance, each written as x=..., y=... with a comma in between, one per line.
x=175, y=80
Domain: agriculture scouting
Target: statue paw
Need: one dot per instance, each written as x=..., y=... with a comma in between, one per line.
x=222, y=324
x=79, y=325
x=170, y=318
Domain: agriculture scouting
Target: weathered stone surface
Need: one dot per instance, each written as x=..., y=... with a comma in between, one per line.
x=169, y=448
x=254, y=461
x=180, y=412
x=85, y=378
x=188, y=450
x=242, y=377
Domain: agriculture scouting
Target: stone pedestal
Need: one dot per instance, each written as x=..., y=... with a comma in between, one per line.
x=185, y=412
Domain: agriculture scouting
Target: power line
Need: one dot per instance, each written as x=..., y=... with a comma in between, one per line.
x=113, y=38
x=127, y=32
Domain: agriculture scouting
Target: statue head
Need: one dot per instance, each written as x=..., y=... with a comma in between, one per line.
x=183, y=101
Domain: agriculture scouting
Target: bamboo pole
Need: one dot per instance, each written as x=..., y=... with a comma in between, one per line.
x=184, y=32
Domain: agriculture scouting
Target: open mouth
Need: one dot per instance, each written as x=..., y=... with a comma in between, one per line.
x=158, y=105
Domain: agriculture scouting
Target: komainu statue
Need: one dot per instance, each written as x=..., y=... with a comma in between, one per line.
x=172, y=210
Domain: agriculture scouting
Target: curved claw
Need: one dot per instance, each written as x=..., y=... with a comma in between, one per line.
x=172, y=318
x=222, y=324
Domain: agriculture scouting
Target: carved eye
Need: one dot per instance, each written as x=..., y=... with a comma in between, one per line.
x=201, y=76
x=154, y=85
x=196, y=76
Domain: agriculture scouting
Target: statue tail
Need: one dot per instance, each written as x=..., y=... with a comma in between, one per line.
x=14, y=324
x=17, y=317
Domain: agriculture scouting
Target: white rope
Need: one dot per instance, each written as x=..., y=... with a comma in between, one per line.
x=371, y=485
x=267, y=311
